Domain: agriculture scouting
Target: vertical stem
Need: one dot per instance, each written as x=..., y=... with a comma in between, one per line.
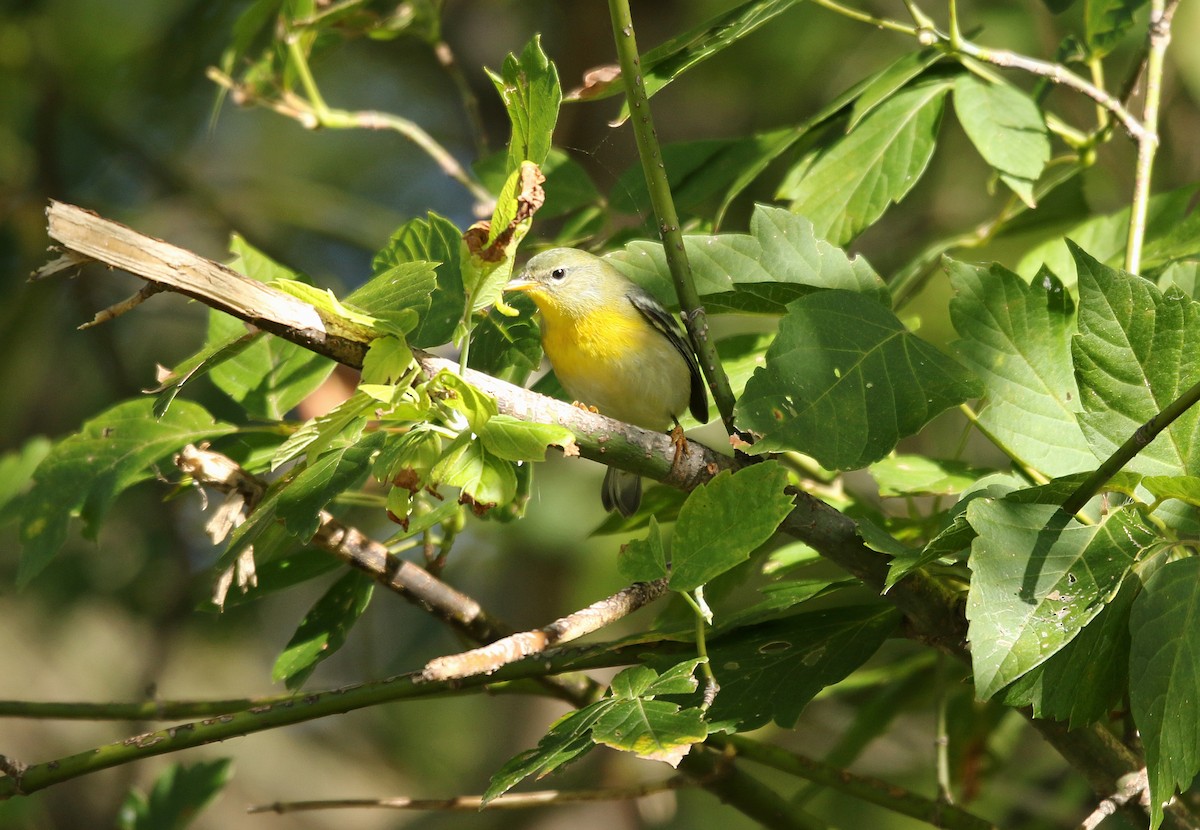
x=1159, y=37
x=694, y=316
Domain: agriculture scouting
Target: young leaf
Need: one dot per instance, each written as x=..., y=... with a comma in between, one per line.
x=844, y=381
x=1106, y=22
x=515, y=440
x=1164, y=667
x=436, y=241
x=303, y=498
x=529, y=88
x=1037, y=578
x=83, y=474
x=386, y=361
x=324, y=628
x=723, y=521
x=854, y=181
x=1137, y=350
x=653, y=729
x=180, y=793
x=399, y=295
x=1007, y=129
x=1017, y=339
x=485, y=478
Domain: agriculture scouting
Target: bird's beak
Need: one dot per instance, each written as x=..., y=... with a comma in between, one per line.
x=520, y=283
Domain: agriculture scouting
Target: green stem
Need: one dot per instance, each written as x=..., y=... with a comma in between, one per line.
x=703, y=620
x=871, y=790
x=694, y=316
x=724, y=779
x=869, y=19
x=1159, y=38
x=1135, y=444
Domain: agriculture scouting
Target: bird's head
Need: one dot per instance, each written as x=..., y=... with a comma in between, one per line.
x=570, y=282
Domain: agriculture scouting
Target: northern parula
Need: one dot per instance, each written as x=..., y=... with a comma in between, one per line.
x=613, y=346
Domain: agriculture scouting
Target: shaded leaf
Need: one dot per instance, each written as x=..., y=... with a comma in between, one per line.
x=84, y=473
x=844, y=381
x=1037, y=578
x=1106, y=22
x=907, y=475
x=568, y=738
x=303, y=498
x=643, y=560
x=1164, y=675
x=179, y=794
x=324, y=628
x=436, y=242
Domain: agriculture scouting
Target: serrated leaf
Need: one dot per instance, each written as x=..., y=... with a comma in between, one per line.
x=1017, y=339
x=436, y=241
x=1037, y=578
x=1137, y=350
x=488, y=480
x=643, y=560
x=1106, y=22
x=855, y=180
x=1007, y=129
x=324, y=628
x=802, y=653
x=844, y=381
x=568, y=738
x=303, y=498
x=515, y=440
x=653, y=729
x=179, y=794
x=1087, y=678
x=398, y=296
x=529, y=88
x=386, y=360
x=339, y=427
x=1164, y=667
x=779, y=260
x=724, y=520
x=680, y=679
x=83, y=474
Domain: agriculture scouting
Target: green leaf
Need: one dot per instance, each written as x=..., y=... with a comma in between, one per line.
x=515, y=440
x=324, y=628
x=339, y=427
x=723, y=521
x=486, y=479
x=854, y=181
x=780, y=260
x=83, y=474
x=568, y=738
x=1137, y=350
x=568, y=186
x=680, y=679
x=1086, y=679
x=282, y=572
x=643, y=560
x=386, y=361
x=303, y=498
x=398, y=296
x=213, y=354
x=911, y=475
x=669, y=60
x=1037, y=578
x=437, y=242
x=653, y=729
x=509, y=348
x=1184, y=488
x=893, y=78
x=180, y=793
x=1007, y=129
x=529, y=88
x=1164, y=667
x=1106, y=22
x=844, y=381
x=16, y=475
x=802, y=653
x=464, y=398
x=1017, y=339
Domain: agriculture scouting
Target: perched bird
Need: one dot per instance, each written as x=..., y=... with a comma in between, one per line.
x=613, y=347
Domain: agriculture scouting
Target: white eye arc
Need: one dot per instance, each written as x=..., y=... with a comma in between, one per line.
x=558, y=274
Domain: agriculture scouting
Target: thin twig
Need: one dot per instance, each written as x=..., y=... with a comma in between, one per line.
x=126, y=305
x=475, y=803
x=1134, y=785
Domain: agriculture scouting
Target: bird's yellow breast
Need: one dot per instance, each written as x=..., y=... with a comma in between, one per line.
x=614, y=360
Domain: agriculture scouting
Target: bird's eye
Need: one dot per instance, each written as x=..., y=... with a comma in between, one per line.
x=558, y=274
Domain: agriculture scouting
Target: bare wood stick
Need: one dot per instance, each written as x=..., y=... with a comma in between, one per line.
x=489, y=658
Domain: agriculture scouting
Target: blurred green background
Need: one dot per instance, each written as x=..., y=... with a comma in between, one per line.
x=106, y=105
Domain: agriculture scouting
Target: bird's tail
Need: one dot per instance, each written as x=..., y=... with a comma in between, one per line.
x=622, y=491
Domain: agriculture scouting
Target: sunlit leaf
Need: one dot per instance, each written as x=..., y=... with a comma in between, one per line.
x=1007, y=129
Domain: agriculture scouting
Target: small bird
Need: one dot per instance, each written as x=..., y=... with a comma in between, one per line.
x=615, y=348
